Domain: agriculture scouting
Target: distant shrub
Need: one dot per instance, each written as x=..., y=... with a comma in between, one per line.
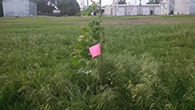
x=78, y=14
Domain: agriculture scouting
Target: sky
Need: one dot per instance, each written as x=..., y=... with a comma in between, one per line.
x=108, y=2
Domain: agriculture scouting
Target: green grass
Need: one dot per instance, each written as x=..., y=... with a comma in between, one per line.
x=42, y=19
x=146, y=67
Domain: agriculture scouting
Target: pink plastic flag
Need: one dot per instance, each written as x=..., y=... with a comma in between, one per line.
x=95, y=50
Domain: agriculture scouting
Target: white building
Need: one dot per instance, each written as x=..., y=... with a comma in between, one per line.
x=185, y=7
x=150, y=9
x=123, y=9
x=165, y=7
x=19, y=8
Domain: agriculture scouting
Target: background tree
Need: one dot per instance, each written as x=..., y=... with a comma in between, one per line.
x=153, y=2
x=1, y=8
x=70, y=7
x=122, y=2
x=43, y=6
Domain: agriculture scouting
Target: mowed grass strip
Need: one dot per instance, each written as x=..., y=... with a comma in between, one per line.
x=146, y=66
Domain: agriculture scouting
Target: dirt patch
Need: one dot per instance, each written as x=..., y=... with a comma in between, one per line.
x=136, y=22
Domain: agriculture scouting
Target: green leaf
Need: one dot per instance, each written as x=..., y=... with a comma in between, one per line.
x=86, y=29
x=97, y=22
x=96, y=35
x=79, y=51
x=83, y=44
x=93, y=23
x=98, y=28
x=76, y=60
x=87, y=35
x=86, y=11
x=94, y=7
x=85, y=53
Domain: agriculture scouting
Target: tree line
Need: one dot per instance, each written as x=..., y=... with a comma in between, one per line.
x=70, y=7
x=1, y=8
x=153, y=2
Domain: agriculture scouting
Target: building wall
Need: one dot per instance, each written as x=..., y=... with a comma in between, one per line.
x=132, y=10
x=32, y=8
x=192, y=7
x=157, y=10
x=163, y=7
x=15, y=8
x=166, y=8
x=177, y=6
x=146, y=10
x=121, y=11
x=113, y=10
x=139, y=10
x=150, y=9
x=171, y=6
x=108, y=10
x=19, y=8
x=182, y=7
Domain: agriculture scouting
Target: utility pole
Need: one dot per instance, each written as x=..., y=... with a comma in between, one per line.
x=140, y=3
x=113, y=5
x=87, y=2
x=168, y=7
x=100, y=6
x=135, y=7
x=140, y=7
x=117, y=8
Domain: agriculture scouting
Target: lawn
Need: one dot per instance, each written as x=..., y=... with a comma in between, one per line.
x=148, y=64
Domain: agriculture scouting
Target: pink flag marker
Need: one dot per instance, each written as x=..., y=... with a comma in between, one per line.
x=95, y=50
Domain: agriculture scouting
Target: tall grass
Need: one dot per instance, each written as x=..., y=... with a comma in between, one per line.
x=146, y=67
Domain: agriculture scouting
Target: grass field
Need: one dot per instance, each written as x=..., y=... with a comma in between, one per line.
x=149, y=64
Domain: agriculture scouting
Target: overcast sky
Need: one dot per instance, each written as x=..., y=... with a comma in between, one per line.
x=108, y=2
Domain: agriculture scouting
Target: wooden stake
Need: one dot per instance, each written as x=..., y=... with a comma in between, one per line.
x=101, y=62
